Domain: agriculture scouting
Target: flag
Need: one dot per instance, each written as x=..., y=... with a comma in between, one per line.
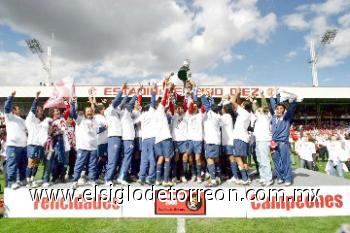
x=63, y=89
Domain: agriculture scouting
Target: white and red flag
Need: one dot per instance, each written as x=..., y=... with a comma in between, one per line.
x=63, y=90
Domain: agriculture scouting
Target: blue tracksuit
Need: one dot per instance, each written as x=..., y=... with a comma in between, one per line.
x=16, y=156
x=280, y=134
x=148, y=160
x=128, y=146
x=114, y=147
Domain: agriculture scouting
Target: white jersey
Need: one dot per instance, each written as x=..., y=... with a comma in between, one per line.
x=262, y=127
x=103, y=136
x=162, y=129
x=226, y=130
x=113, y=121
x=179, y=128
x=148, y=124
x=334, y=150
x=305, y=150
x=195, y=126
x=134, y=115
x=16, y=130
x=86, y=133
x=38, y=131
x=240, y=130
x=128, y=130
x=212, y=123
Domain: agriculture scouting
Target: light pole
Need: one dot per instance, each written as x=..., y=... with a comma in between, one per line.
x=35, y=48
x=327, y=38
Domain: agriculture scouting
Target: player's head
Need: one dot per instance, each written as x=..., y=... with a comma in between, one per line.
x=180, y=110
x=100, y=108
x=280, y=109
x=56, y=113
x=40, y=113
x=16, y=110
x=89, y=113
x=247, y=105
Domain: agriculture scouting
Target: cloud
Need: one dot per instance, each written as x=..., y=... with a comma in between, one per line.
x=322, y=17
x=296, y=21
x=291, y=54
x=139, y=38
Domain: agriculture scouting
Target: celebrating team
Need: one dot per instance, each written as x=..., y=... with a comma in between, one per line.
x=172, y=139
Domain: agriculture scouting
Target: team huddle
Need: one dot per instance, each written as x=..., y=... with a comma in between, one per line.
x=174, y=138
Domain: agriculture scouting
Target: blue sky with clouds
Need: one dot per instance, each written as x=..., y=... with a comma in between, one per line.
x=240, y=42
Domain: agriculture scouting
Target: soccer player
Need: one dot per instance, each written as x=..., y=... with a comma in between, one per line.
x=135, y=161
x=212, y=138
x=128, y=136
x=227, y=139
x=179, y=134
x=148, y=122
x=86, y=135
x=262, y=133
x=195, y=136
x=112, y=114
x=163, y=143
x=241, y=135
x=281, y=122
x=16, y=144
x=102, y=138
x=38, y=132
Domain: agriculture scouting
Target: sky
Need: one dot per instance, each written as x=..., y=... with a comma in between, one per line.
x=238, y=42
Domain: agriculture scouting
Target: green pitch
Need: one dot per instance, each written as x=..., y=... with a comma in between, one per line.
x=285, y=225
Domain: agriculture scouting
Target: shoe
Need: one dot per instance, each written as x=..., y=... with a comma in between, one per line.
x=15, y=186
x=149, y=182
x=122, y=182
x=109, y=183
x=193, y=179
x=158, y=182
x=45, y=185
x=35, y=184
x=167, y=184
x=268, y=183
x=218, y=180
x=232, y=180
x=279, y=181
x=175, y=181
x=287, y=183
x=29, y=185
x=199, y=179
x=22, y=183
x=74, y=185
x=81, y=181
x=211, y=183
x=207, y=176
x=245, y=182
x=183, y=179
x=140, y=182
x=262, y=181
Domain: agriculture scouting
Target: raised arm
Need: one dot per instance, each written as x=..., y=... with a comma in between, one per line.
x=132, y=103
x=235, y=97
x=118, y=98
x=205, y=103
x=153, y=98
x=73, y=112
x=35, y=103
x=291, y=110
x=9, y=103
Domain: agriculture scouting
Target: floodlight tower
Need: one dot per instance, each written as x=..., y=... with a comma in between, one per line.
x=35, y=48
x=327, y=38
